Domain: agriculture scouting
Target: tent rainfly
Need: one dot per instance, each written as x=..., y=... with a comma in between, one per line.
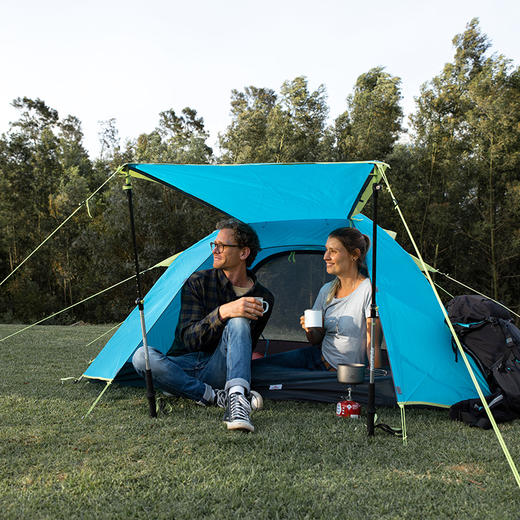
x=293, y=207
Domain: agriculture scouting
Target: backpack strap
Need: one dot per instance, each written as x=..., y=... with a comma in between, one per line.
x=461, y=330
x=511, y=342
x=455, y=349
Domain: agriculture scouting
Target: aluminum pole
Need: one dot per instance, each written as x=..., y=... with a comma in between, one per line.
x=150, y=392
x=371, y=408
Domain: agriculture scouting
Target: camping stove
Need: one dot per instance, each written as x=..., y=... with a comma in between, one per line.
x=348, y=408
x=350, y=374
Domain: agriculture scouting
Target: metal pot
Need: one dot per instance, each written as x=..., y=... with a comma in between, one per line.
x=351, y=373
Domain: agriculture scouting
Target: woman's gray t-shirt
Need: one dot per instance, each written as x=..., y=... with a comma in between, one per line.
x=345, y=324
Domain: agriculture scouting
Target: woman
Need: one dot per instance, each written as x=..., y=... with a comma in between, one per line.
x=345, y=304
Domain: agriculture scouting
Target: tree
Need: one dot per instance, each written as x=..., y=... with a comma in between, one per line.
x=245, y=140
x=466, y=135
x=41, y=156
x=266, y=127
x=494, y=126
x=177, y=139
x=301, y=121
x=371, y=125
x=166, y=221
x=109, y=140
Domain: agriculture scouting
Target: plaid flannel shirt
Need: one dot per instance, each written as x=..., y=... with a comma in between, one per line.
x=200, y=327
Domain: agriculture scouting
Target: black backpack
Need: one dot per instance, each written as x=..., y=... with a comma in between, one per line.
x=473, y=413
x=488, y=335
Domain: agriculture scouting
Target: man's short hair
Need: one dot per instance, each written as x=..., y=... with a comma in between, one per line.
x=245, y=236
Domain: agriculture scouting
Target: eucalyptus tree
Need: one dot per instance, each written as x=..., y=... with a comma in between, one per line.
x=466, y=132
x=245, y=140
x=372, y=123
x=270, y=127
x=110, y=143
x=176, y=139
x=41, y=157
x=494, y=126
x=297, y=125
x=166, y=221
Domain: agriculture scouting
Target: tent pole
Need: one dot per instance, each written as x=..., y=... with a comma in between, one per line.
x=150, y=393
x=371, y=408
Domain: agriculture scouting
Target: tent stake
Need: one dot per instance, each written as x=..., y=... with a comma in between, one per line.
x=371, y=408
x=150, y=393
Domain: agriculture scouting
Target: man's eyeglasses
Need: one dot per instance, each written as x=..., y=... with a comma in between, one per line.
x=219, y=247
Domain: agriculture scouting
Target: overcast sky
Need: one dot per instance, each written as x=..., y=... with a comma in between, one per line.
x=129, y=60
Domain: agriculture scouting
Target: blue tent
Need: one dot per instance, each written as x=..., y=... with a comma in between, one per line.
x=293, y=207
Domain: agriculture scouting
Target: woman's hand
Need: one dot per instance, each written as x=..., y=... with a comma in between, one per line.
x=314, y=334
x=302, y=323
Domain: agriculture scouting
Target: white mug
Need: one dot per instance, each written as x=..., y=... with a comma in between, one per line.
x=313, y=318
x=265, y=304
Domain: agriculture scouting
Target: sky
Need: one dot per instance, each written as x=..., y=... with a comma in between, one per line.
x=130, y=60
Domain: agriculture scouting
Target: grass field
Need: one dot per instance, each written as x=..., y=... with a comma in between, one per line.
x=302, y=462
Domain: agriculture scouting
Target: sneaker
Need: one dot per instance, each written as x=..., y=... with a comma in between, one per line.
x=254, y=398
x=237, y=413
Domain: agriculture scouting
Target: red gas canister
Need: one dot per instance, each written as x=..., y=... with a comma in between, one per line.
x=348, y=408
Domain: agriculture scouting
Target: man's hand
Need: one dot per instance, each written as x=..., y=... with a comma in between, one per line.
x=245, y=307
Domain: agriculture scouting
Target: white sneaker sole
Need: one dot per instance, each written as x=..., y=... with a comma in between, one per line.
x=240, y=425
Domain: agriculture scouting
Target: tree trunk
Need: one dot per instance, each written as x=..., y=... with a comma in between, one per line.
x=492, y=225
x=428, y=200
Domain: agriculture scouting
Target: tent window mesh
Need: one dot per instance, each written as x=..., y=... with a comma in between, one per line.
x=295, y=279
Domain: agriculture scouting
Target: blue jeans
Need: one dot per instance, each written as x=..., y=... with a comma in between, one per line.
x=194, y=375
x=305, y=358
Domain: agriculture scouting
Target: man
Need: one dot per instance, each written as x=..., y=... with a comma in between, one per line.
x=220, y=321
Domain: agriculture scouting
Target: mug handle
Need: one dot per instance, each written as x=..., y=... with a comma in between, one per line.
x=266, y=308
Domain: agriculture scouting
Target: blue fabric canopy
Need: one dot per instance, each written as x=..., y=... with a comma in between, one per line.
x=268, y=192
x=294, y=208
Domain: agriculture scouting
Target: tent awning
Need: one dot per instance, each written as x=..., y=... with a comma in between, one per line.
x=272, y=192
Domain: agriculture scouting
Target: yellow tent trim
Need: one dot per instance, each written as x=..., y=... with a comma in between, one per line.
x=167, y=261
x=422, y=403
x=98, y=378
x=375, y=177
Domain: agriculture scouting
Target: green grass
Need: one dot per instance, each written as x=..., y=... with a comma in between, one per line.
x=302, y=462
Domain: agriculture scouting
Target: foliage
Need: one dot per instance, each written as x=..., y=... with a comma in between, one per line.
x=456, y=177
x=466, y=133
x=43, y=167
x=46, y=174
x=267, y=127
x=371, y=125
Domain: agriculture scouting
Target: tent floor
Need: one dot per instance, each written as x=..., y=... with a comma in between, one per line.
x=300, y=385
